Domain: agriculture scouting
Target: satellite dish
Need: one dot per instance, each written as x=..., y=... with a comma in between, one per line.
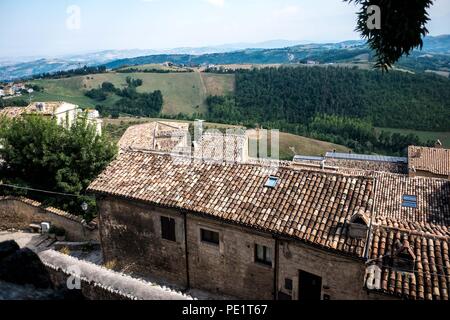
x=84, y=206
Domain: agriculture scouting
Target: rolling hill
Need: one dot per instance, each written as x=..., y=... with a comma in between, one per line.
x=183, y=92
x=435, y=55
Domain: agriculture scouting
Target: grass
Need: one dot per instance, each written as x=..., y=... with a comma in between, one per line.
x=424, y=136
x=290, y=144
x=182, y=92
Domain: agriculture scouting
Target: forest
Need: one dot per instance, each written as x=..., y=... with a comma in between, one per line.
x=340, y=105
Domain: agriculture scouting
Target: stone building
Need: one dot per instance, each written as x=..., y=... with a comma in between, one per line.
x=157, y=136
x=64, y=113
x=429, y=162
x=261, y=232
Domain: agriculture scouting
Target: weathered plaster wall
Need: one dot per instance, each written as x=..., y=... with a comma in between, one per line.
x=19, y=213
x=131, y=239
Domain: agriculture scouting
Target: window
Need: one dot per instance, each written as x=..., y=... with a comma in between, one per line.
x=288, y=284
x=272, y=182
x=263, y=255
x=168, y=229
x=210, y=237
x=409, y=201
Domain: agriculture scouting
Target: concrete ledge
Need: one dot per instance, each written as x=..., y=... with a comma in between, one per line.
x=119, y=286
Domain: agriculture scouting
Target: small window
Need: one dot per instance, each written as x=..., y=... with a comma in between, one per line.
x=409, y=201
x=263, y=255
x=288, y=284
x=209, y=236
x=168, y=229
x=272, y=182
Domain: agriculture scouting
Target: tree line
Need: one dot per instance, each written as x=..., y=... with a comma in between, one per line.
x=131, y=102
x=340, y=105
x=71, y=73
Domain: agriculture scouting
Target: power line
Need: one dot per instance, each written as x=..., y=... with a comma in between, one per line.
x=39, y=190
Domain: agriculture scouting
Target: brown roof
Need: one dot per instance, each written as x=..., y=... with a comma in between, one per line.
x=432, y=214
x=433, y=160
x=12, y=112
x=425, y=228
x=430, y=279
x=222, y=146
x=311, y=206
x=160, y=136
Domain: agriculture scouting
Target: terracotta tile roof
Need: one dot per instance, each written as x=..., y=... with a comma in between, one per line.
x=430, y=277
x=159, y=136
x=49, y=108
x=220, y=146
x=433, y=202
x=12, y=112
x=426, y=229
x=433, y=160
x=311, y=206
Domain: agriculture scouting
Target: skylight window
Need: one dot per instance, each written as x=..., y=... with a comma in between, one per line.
x=409, y=201
x=272, y=182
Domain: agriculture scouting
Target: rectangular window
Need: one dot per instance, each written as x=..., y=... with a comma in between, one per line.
x=272, y=182
x=263, y=255
x=210, y=237
x=168, y=229
x=409, y=201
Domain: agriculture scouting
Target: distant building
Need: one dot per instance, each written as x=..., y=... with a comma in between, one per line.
x=64, y=113
x=336, y=161
x=158, y=136
x=429, y=162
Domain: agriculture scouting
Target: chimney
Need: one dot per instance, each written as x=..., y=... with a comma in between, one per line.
x=198, y=130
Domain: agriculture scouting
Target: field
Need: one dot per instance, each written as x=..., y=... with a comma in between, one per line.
x=290, y=144
x=182, y=92
x=425, y=136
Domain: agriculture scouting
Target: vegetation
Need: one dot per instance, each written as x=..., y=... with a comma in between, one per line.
x=40, y=154
x=152, y=70
x=132, y=102
x=403, y=25
x=70, y=73
x=340, y=105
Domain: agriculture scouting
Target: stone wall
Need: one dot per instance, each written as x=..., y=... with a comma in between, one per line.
x=229, y=268
x=131, y=240
x=131, y=236
x=342, y=277
x=19, y=213
x=99, y=283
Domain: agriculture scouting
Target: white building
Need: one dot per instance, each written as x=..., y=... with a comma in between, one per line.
x=65, y=113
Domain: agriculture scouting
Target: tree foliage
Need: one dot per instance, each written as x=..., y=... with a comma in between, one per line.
x=403, y=25
x=40, y=154
x=340, y=105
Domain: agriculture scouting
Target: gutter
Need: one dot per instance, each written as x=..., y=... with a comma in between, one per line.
x=186, y=252
x=276, y=268
x=369, y=236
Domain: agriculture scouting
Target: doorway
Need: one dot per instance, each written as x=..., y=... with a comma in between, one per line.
x=309, y=287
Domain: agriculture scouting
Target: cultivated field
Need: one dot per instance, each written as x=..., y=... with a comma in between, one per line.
x=425, y=136
x=183, y=92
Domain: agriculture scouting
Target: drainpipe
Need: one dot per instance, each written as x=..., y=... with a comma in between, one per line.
x=275, y=269
x=369, y=236
x=186, y=252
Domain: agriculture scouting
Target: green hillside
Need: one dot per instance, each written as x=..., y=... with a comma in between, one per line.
x=290, y=145
x=183, y=92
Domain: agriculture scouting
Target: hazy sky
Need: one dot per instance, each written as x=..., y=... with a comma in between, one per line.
x=49, y=27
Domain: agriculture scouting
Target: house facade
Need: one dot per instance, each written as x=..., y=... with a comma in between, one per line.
x=257, y=232
x=65, y=113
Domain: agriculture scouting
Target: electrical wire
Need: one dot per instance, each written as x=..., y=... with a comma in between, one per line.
x=42, y=191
